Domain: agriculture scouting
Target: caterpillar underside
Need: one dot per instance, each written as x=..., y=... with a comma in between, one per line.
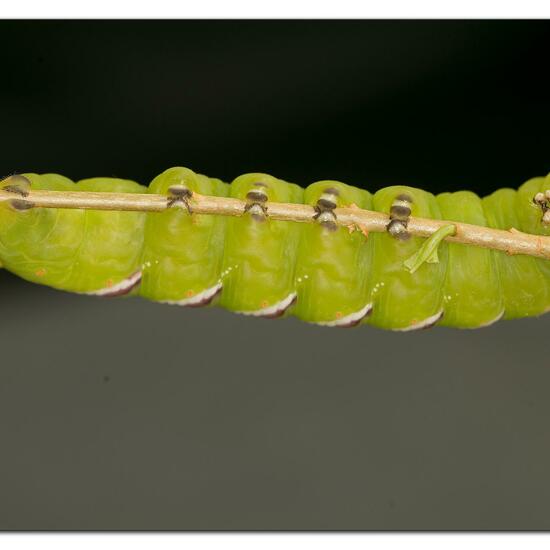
x=320, y=272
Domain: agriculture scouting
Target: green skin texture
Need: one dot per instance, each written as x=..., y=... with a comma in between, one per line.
x=403, y=299
x=76, y=250
x=182, y=254
x=332, y=264
x=259, y=256
x=258, y=264
x=471, y=291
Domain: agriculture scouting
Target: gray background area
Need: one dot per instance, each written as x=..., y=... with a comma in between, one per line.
x=125, y=414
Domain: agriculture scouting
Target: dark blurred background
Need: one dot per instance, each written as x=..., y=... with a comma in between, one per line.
x=439, y=105
x=124, y=414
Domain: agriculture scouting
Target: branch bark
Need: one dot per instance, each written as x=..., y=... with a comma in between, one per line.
x=510, y=241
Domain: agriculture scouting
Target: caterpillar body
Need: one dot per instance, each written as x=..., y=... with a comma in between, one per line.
x=320, y=272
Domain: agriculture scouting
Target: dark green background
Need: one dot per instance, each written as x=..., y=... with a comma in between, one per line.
x=124, y=414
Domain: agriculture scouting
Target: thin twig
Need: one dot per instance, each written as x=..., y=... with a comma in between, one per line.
x=510, y=241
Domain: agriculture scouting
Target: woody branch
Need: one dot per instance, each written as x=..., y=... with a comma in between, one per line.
x=510, y=241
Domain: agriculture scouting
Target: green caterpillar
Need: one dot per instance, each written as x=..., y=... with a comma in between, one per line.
x=320, y=272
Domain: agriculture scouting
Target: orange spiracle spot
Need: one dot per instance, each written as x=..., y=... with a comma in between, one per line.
x=338, y=315
x=40, y=272
x=109, y=283
x=264, y=304
x=190, y=293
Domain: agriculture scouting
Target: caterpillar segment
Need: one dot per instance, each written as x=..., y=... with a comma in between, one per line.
x=259, y=255
x=332, y=267
x=524, y=286
x=321, y=272
x=472, y=295
x=182, y=252
x=88, y=252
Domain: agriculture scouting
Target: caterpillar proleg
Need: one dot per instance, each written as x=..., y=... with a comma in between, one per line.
x=254, y=263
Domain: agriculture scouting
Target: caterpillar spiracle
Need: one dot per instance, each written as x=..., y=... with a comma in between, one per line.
x=320, y=272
